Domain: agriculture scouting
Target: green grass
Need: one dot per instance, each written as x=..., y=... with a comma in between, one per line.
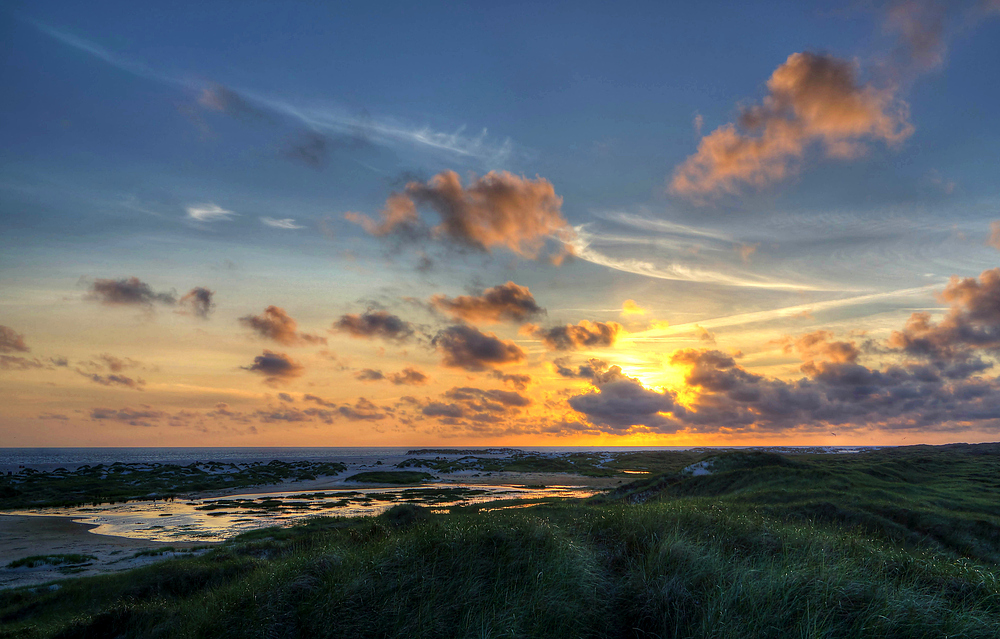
x=390, y=477
x=891, y=544
x=50, y=560
x=121, y=482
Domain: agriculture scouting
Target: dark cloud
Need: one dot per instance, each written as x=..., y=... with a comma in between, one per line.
x=129, y=291
x=199, y=301
x=578, y=336
x=369, y=375
x=514, y=380
x=135, y=417
x=590, y=370
x=12, y=341
x=622, y=403
x=466, y=347
x=276, y=367
x=502, y=303
x=279, y=326
x=115, y=380
x=409, y=376
x=363, y=410
x=467, y=405
x=375, y=324
x=498, y=209
x=285, y=397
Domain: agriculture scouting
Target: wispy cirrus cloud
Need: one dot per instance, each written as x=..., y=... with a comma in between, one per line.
x=318, y=119
x=209, y=213
x=285, y=223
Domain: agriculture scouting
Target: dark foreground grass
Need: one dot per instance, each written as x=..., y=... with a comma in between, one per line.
x=699, y=557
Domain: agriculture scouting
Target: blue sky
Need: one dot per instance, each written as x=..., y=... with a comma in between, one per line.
x=225, y=146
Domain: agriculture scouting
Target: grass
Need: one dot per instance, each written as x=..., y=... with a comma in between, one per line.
x=897, y=543
x=122, y=482
x=50, y=560
x=390, y=477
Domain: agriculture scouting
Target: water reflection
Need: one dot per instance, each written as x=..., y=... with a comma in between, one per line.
x=218, y=518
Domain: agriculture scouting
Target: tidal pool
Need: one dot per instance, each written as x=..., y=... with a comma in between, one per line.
x=218, y=518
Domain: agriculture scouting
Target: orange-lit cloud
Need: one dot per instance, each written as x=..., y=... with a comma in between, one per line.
x=585, y=334
x=11, y=341
x=466, y=347
x=813, y=100
x=275, y=367
x=498, y=209
x=374, y=324
x=277, y=325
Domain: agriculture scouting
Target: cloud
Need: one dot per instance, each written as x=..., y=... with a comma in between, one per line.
x=209, y=213
x=514, y=380
x=994, y=239
x=286, y=223
x=466, y=347
x=920, y=28
x=498, y=209
x=593, y=368
x=131, y=416
x=409, y=376
x=225, y=100
x=12, y=341
x=504, y=302
x=199, y=300
x=817, y=345
x=276, y=367
x=14, y=363
x=375, y=324
x=813, y=100
x=629, y=307
x=466, y=405
x=621, y=403
x=369, y=375
x=279, y=326
x=704, y=334
x=972, y=323
x=114, y=380
x=127, y=292
x=363, y=410
x=586, y=334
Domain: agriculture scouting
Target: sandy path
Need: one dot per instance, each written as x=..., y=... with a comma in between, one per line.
x=28, y=535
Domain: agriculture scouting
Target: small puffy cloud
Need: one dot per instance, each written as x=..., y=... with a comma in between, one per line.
x=818, y=346
x=279, y=326
x=586, y=334
x=514, y=380
x=276, y=367
x=629, y=307
x=375, y=324
x=199, y=301
x=285, y=223
x=409, y=376
x=704, y=334
x=498, y=209
x=130, y=291
x=505, y=302
x=11, y=341
x=209, y=213
x=746, y=251
x=591, y=370
x=369, y=375
x=813, y=100
x=466, y=347
x=362, y=410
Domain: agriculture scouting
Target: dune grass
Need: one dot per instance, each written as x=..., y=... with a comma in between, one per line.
x=764, y=547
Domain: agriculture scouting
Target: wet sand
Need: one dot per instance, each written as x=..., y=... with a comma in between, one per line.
x=29, y=535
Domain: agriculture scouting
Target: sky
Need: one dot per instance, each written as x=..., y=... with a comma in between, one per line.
x=549, y=224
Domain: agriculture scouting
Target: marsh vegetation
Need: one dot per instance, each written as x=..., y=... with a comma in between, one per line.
x=894, y=543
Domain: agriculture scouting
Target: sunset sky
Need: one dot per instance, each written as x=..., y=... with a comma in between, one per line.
x=552, y=224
